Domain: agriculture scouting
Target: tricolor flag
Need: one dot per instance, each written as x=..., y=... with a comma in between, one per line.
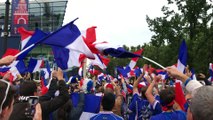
x=134, y=60
x=31, y=41
x=124, y=71
x=68, y=37
x=211, y=72
x=100, y=61
x=17, y=68
x=35, y=65
x=182, y=57
x=193, y=77
x=67, y=58
x=138, y=71
x=10, y=51
x=115, y=51
x=25, y=36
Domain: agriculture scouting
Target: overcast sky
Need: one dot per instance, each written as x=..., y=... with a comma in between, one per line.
x=118, y=21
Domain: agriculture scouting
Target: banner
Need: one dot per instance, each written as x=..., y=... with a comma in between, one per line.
x=19, y=15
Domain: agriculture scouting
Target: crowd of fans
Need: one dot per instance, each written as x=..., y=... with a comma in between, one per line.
x=154, y=100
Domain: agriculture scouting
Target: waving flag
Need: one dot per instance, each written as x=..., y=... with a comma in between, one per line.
x=17, y=67
x=182, y=57
x=10, y=51
x=92, y=105
x=124, y=71
x=68, y=37
x=193, y=77
x=34, y=39
x=100, y=61
x=134, y=60
x=34, y=65
x=138, y=71
x=114, y=51
x=66, y=58
x=101, y=77
x=211, y=72
x=25, y=36
x=90, y=35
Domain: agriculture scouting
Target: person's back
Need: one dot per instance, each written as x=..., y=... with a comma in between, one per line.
x=167, y=97
x=108, y=102
x=174, y=115
x=106, y=116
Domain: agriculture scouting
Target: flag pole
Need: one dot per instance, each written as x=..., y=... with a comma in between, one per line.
x=24, y=50
x=153, y=62
x=84, y=68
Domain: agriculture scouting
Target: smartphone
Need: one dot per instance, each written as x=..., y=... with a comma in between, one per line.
x=55, y=67
x=30, y=110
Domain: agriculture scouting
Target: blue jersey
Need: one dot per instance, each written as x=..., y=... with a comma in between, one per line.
x=140, y=108
x=175, y=115
x=106, y=116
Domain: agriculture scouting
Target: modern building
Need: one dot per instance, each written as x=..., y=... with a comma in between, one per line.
x=47, y=15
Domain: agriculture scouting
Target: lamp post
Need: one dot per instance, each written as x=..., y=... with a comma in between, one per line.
x=6, y=20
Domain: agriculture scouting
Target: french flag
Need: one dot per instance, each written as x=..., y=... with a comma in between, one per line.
x=68, y=37
x=31, y=41
x=211, y=72
x=124, y=71
x=101, y=77
x=182, y=57
x=115, y=51
x=67, y=58
x=35, y=65
x=129, y=88
x=25, y=36
x=92, y=105
x=10, y=51
x=163, y=74
x=17, y=68
x=134, y=60
x=193, y=77
x=138, y=71
x=100, y=61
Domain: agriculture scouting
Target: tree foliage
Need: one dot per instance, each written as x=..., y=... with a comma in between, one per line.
x=192, y=21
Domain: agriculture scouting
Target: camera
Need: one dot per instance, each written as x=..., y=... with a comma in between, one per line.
x=30, y=110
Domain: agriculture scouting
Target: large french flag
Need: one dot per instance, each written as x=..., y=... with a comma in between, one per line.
x=134, y=60
x=182, y=57
x=67, y=58
x=25, y=36
x=68, y=37
x=35, y=65
x=92, y=105
x=100, y=61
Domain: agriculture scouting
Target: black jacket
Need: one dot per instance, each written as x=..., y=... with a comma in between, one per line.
x=75, y=112
x=47, y=105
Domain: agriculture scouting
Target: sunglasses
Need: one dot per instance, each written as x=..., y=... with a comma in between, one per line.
x=6, y=92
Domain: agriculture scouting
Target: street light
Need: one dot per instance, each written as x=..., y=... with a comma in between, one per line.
x=6, y=20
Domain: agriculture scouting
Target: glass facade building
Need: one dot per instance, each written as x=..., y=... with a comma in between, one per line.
x=47, y=15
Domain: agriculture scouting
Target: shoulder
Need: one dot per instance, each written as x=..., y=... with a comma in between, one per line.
x=157, y=117
x=180, y=112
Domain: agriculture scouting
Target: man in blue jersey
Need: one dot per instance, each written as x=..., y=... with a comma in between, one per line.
x=139, y=107
x=108, y=102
